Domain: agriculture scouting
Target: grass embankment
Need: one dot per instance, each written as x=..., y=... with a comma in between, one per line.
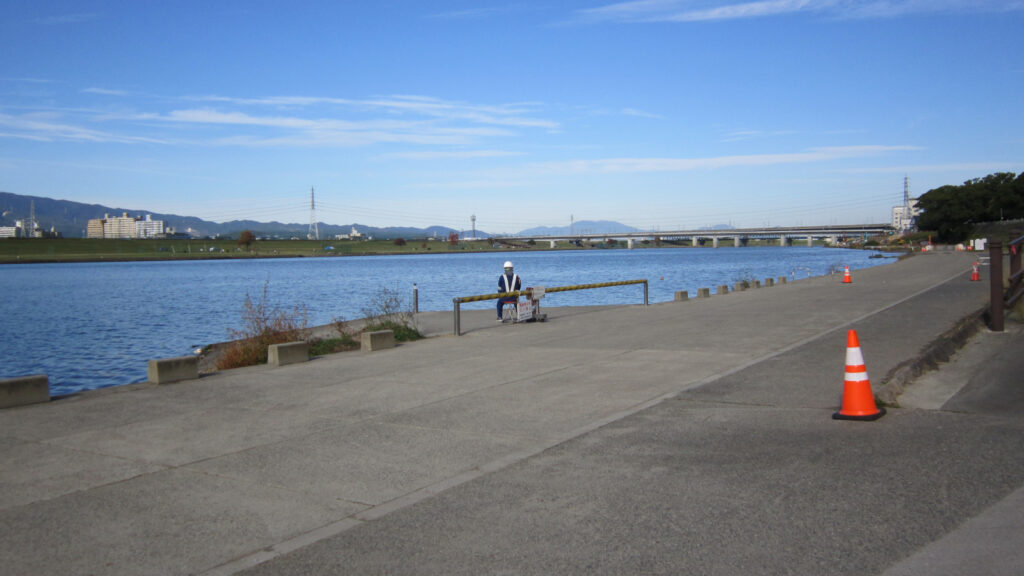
x=14, y=250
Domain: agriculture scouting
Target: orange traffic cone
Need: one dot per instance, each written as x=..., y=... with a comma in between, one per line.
x=975, y=277
x=846, y=276
x=858, y=401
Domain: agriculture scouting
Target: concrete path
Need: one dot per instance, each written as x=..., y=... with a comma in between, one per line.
x=677, y=438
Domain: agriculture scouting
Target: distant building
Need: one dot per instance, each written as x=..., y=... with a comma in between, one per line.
x=904, y=218
x=354, y=235
x=126, y=226
x=23, y=229
x=95, y=228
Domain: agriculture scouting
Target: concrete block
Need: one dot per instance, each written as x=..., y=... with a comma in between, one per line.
x=287, y=353
x=769, y=282
x=757, y=283
x=378, y=340
x=722, y=290
x=168, y=370
x=739, y=287
x=782, y=279
x=682, y=296
x=24, y=390
x=703, y=292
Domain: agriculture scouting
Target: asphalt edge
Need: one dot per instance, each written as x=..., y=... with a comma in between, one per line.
x=937, y=352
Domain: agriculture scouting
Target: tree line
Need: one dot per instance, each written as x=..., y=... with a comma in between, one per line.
x=952, y=211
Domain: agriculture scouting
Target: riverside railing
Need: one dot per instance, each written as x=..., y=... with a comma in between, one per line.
x=529, y=291
x=1000, y=297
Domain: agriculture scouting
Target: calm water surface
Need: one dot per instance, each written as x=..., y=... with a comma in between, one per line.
x=91, y=325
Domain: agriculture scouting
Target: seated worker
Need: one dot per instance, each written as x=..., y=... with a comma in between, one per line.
x=508, y=282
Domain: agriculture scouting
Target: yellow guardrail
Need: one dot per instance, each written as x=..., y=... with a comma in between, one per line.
x=527, y=292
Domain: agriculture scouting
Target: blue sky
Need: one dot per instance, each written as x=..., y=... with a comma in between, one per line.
x=662, y=114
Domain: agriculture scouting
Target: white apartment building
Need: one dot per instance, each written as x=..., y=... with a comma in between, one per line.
x=904, y=218
x=10, y=231
x=125, y=226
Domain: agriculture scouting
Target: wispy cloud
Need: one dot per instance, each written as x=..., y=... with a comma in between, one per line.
x=517, y=115
x=105, y=92
x=452, y=154
x=285, y=121
x=973, y=167
x=635, y=165
x=47, y=128
x=646, y=11
x=742, y=135
x=640, y=113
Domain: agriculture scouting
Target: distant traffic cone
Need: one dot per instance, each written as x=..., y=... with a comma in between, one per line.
x=858, y=401
x=846, y=276
x=975, y=277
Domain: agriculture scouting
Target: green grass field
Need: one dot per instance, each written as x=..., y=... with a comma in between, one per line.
x=89, y=249
x=13, y=250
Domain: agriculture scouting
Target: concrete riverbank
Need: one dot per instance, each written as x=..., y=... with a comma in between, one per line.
x=690, y=437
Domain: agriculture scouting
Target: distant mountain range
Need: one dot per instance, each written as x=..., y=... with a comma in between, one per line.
x=71, y=218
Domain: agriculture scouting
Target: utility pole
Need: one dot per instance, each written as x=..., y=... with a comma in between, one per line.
x=473, y=218
x=314, y=229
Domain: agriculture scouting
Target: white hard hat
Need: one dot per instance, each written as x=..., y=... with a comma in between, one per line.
x=508, y=264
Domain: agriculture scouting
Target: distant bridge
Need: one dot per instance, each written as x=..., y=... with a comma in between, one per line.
x=784, y=234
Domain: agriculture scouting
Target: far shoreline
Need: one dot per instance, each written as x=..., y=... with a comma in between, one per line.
x=224, y=254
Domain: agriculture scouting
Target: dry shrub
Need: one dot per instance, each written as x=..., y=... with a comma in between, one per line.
x=345, y=340
x=388, y=310
x=262, y=326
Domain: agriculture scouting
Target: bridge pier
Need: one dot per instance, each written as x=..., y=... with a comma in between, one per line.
x=736, y=241
x=714, y=241
x=630, y=243
x=553, y=243
x=782, y=239
x=810, y=241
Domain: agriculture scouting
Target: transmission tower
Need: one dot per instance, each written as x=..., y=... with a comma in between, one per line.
x=314, y=230
x=32, y=219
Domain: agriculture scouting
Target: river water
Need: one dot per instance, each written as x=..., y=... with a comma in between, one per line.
x=92, y=325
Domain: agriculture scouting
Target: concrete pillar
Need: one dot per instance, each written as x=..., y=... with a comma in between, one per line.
x=722, y=290
x=379, y=340
x=703, y=292
x=782, y=279
x=782, y=240
x=287, y=353
x=552, y=243
x=170, y=370
x=736, y=241
x=769, y=282
x=682, y=296
x=630, y=243
x=810, y=241
x=739, y=287
x=714, y=241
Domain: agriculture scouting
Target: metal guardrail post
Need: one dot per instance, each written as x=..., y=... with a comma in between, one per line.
x=645, y=293
x=458, y=330
x=1015, y=255
x=995, y=251
x=415, y=299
